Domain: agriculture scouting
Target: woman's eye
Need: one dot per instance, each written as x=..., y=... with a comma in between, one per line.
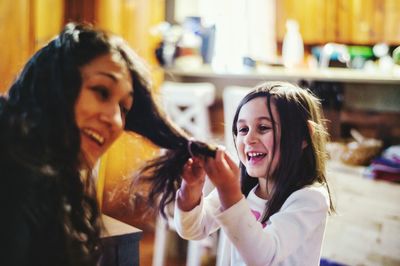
x=124, y=110
x=102, y=92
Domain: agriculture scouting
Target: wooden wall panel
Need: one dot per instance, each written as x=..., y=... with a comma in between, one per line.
x=16, y=35
x=331, y=20
x=284, y=10
x=391, y=24
x=25, y=26
x=344, y=28
x=362, y=19
x=108, y=15
x=79, y=11
x=48, y=20
x=378, y=25
x=132, y=19
x=312, y=23
x=360, y=22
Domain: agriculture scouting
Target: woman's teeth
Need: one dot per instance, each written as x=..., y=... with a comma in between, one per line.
x=94, y=135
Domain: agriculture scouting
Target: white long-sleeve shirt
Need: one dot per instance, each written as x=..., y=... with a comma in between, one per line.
x=292, y=236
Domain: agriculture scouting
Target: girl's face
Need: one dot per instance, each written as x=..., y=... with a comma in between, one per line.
x=105, y=98
x=255, y=137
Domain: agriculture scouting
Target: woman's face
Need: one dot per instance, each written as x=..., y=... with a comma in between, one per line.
x=105, y=98
x=255, y=137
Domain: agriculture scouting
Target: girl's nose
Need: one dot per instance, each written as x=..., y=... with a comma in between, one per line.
x=111, y=115
x=250, y=138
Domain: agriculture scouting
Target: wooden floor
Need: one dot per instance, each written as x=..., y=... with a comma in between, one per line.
x=175, y=252
x=147, y=249
x=366, y=228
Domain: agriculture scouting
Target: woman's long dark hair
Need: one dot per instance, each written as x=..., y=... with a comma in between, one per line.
x=297, y=167
x=40, y=153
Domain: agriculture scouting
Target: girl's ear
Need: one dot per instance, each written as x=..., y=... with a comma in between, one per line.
x=311, y=130
x=311, y=127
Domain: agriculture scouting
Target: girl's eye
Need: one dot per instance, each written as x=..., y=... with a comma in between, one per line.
x=264, y=128
x=243, y=130
x=102, y=92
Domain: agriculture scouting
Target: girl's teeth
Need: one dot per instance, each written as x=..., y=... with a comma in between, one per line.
x=255, y=154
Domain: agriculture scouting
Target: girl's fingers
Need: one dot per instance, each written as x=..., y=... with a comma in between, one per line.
x=197, y=168
x=222, y=167
x=193, y=172
x=232, y=164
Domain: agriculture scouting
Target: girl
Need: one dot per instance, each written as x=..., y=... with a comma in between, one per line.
x=275, y=214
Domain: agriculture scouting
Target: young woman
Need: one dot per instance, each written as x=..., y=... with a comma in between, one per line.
x=71, y=101
x=273, y=208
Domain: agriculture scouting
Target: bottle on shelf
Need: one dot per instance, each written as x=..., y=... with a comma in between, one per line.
x=293, y=46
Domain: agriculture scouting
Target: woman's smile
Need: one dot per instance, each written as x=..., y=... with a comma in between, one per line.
x=94, y=136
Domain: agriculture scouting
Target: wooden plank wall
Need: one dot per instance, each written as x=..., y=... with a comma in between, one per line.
x=362, y=22
x=16, y=35
x=24, y=27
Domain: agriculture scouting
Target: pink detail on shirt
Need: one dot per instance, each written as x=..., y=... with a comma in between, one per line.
x=258, y=215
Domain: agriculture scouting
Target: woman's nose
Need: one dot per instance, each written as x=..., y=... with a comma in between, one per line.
x=112, y=116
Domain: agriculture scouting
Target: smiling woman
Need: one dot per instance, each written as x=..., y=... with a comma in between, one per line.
x=101, y=108
x=71, y=101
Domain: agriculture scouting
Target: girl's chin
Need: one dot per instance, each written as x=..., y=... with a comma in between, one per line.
x=255, y=172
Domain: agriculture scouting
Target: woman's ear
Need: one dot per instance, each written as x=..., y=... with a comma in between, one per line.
x=311, y=130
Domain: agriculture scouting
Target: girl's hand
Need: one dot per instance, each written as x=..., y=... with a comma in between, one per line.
x=225, y=175
x=193, y=178
x=193, y=174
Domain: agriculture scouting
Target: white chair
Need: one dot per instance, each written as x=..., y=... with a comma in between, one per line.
x=231, y=97
x=187, y=105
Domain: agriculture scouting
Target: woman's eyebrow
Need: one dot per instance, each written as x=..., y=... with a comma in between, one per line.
x=110, y=75
x=114, y=79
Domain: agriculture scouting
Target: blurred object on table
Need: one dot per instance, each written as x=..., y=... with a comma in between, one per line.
x=359, y=55
x=167, y=50
x=185, y=46
x=396, y=61
x=396, y=55
x=335, y=150
x=293, y=46
x=334, y=51
x=385, y=61
x=387, y=166
x=361, y=151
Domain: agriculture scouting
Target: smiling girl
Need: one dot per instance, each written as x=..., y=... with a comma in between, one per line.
x=273, y=208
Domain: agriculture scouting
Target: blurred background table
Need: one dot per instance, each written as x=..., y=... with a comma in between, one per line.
x=120, y=243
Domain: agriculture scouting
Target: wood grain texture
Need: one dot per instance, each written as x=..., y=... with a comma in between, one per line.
x=16, y=38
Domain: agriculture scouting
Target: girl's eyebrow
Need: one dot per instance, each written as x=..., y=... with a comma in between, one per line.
x=258, y=118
